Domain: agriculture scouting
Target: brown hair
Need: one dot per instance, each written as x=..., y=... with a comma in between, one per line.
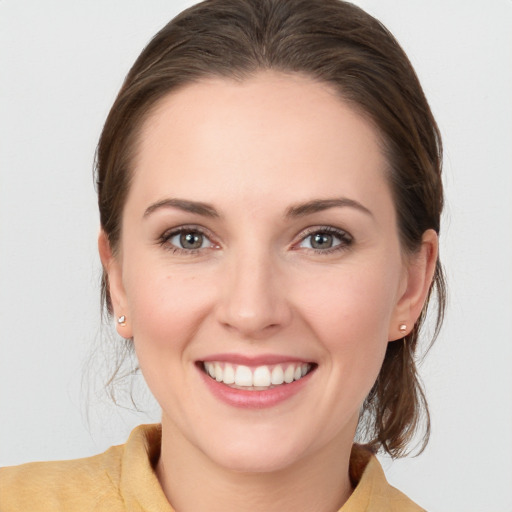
x=335, y=43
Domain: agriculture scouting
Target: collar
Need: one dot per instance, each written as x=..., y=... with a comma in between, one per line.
x=141, y=491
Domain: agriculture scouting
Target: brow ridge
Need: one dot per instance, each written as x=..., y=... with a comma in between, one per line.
x=186, y=205
x=318, y=205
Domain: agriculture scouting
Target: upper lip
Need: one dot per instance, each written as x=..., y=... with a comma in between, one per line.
x=263, y=359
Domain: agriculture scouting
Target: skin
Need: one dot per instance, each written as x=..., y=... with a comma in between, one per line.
x=253, y=151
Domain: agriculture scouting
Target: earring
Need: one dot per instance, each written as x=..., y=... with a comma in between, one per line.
x=402, y=328
x=121, y=320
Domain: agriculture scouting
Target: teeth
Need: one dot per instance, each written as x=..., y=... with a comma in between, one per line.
x=229, y=374
x=243, y=376
x=289, y=373
x=260, y=377
x=277, y=375
x=218, y=372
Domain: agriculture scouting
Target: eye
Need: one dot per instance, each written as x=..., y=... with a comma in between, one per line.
x=186, y=240
x=189, y=240
x=326, y=239
x=320, y=241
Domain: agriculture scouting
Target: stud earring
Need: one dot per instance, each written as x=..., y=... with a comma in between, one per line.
x=121, y=320
x=402, y=328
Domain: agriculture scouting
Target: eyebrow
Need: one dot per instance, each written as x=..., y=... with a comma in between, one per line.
x=319, y=205
x=197, y=207
x=299, y=210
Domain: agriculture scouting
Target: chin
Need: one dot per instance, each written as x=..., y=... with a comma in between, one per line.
x=254, y=461
x=260, y=451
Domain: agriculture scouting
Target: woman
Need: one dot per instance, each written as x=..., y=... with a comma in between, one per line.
x=269, y=193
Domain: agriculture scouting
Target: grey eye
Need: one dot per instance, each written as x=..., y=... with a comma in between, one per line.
x=190, y=240
x=321, y=241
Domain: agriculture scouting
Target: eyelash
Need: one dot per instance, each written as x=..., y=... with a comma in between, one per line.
x=344, y=238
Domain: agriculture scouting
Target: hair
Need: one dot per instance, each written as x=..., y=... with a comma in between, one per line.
x=335, y=43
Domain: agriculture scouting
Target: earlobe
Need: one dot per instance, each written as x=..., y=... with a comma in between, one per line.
x=419, y=275
x=112, y=267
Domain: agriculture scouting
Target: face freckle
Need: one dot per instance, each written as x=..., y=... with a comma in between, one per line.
x=278, y=187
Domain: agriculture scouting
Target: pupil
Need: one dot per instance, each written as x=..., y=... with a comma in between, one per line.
x=321, y=241
x=191, y=240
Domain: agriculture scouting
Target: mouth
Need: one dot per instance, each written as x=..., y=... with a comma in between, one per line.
x=256, y=378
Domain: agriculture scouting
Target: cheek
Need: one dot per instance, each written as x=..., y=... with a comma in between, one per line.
x=351, y=300
x=350, y=315
x=166, y=307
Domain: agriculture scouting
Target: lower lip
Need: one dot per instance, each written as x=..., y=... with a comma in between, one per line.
x=254, y=399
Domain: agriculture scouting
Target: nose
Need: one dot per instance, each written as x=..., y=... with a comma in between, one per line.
x=254, y=302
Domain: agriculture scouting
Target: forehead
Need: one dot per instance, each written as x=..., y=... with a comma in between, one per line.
x=274, y=134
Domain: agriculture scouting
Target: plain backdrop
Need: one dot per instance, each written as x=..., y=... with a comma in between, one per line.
x=61, y=64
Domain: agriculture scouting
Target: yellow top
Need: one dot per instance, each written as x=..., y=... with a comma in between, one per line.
x=122, y=479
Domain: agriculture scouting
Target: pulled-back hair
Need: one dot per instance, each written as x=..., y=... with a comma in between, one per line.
x=335, y=43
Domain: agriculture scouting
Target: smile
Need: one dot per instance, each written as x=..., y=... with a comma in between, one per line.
x=257, y=378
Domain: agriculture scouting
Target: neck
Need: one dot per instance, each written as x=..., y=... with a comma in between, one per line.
x=191, y=481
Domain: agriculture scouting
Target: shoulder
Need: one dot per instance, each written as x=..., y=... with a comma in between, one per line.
x=372, y=492
x=91, y=483
x=400, y=502
x=120, y=479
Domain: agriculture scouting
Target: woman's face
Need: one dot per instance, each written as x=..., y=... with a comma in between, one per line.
x=260, y=269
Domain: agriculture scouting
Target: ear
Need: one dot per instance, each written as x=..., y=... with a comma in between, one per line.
x=417, y=279
x=113, y=268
